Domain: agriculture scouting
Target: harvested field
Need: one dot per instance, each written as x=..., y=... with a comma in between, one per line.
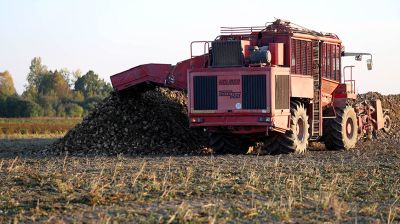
x=168, y=176
x=321, y=186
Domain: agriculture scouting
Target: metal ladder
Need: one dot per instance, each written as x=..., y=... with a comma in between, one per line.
x=316, y=115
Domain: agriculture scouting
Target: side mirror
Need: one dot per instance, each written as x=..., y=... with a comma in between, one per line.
x=369, y=64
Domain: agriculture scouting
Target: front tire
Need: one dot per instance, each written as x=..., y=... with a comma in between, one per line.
x=296, y=138
x=227, y=144
x=342, y=131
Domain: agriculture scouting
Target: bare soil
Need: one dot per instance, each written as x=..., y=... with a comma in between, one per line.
x=362, y=185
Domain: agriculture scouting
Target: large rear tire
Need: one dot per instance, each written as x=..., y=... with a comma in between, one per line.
x=341, y=132
x=296, y=138
x=227, y=144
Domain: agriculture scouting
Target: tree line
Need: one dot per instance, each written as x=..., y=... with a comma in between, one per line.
x=60, y=93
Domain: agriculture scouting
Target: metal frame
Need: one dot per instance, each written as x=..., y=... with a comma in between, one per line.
x=351, y=81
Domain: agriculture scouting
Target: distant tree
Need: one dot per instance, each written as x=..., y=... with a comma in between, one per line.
x=91, y=85
x=78, y=96
x=3, y=105
x=74, y=110
x=91, y=102
x=48, y=103
x=76, y=75
x=67, y=75
x=36, y=71
x=45, y=85
x=7, y=84
x=70, y=76
x=49, y=111
x=33, y=109
x=53, y=83
x=15, y=106
x=61, y=86
x=50, y=93
x=61, y=110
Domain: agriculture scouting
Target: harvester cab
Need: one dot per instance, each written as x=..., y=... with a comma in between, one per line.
x=281, y=84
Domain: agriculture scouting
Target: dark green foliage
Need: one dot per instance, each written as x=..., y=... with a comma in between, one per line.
x=73, y=110
x=91, y=102
x=15, y=106
x=91, y=85
x=53, y=83
x=49, y=93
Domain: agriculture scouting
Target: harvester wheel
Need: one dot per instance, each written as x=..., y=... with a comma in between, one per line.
x=341, y=132
x=295, y=139
x=388, y=124
x=223, y=144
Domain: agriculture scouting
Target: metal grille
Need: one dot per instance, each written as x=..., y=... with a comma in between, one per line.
x=309, y=58
x=301, y=57
x=328, y=61
x=323, y=60
x=298, y=55
x=205, y=92
x=293, y=57
x=227, y=53
x=281, y=92
x=254, y=92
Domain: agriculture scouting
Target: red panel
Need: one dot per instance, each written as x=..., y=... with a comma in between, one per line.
x=229, y=82
x=302, y=86
x=271, y=37
x=151, y=72
x=159, y=74
x=277, y=52
x=228, y=115
x=230, y=92
x=245, y=47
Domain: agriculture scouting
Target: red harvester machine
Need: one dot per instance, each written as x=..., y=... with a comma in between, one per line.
x=280, y=83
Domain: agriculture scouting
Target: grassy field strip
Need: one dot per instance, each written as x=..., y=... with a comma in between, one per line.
x=19, y=127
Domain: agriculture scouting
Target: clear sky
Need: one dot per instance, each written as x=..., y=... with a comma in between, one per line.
x=111, y=36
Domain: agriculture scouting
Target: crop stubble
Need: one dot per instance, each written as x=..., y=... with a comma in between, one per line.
x=173, y=185
x=360, y=185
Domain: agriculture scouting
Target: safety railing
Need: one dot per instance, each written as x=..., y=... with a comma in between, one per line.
x=206, y=47
x=350, y=81
x=241, y=30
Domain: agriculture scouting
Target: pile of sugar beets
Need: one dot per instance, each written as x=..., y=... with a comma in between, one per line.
x=156, y=122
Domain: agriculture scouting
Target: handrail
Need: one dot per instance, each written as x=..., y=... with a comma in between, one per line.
x=206, y=49
x=351, y=80
x=241, y=30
